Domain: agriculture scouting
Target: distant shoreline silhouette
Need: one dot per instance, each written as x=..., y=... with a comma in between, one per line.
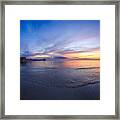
x=25, y=60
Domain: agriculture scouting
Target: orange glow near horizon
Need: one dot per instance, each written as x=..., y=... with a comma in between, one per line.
x=40, y=56
x=92, y=55
x=72, y=55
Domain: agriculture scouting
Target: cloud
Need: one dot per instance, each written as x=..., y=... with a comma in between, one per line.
x=58, y=37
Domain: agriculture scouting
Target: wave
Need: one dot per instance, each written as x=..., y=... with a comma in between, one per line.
x=81, y=83
x=88, y=68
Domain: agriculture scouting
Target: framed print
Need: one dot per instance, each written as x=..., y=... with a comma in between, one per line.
x=60, y=59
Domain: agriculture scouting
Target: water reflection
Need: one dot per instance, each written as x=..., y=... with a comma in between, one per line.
x=60, y=80
x=66, y=64
x=81, y=63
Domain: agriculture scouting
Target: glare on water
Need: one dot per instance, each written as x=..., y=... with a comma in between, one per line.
x=67, y=64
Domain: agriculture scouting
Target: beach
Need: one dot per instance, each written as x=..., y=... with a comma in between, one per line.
x=60, y=80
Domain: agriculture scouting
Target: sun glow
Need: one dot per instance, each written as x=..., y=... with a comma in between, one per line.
x=40, y=56
x=92, y=55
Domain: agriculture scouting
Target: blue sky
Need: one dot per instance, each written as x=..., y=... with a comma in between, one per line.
x=43, y=37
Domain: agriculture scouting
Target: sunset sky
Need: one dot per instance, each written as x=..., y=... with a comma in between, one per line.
x=73, y=39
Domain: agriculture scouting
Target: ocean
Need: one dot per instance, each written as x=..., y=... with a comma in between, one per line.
x=60, y=80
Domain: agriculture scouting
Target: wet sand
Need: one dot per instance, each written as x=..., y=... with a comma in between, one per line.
x=55, y=81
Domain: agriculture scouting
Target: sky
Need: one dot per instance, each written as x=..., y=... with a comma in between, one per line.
x=73, y=39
